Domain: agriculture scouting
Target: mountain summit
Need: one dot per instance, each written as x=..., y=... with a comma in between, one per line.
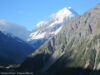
x=47, y=29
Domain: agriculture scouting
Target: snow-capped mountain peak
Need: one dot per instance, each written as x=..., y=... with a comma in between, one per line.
x=61, y=14
x=47, y=29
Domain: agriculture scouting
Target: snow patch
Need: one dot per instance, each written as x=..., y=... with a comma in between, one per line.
x=98, y=67
x=87, y=63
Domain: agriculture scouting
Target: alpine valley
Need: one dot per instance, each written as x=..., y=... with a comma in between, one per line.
x=67, y=44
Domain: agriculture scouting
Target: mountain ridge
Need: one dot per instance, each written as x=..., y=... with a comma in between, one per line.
x=13, y=50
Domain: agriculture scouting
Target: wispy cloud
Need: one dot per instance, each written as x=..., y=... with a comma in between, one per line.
x=15, y=29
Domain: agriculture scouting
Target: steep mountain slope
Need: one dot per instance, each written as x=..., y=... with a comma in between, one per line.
x=46, y=30
x=13, y=50
x=73, y=51
x=14, y=29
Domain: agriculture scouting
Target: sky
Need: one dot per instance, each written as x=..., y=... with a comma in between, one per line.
x=29, y=12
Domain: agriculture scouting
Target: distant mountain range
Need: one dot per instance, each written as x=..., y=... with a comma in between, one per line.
x=13, y=50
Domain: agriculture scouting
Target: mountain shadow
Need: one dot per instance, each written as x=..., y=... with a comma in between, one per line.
x=58, y=68
x=13, y=50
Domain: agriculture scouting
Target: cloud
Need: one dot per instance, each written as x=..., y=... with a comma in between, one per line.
x=14, y=29
x=69, y=7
